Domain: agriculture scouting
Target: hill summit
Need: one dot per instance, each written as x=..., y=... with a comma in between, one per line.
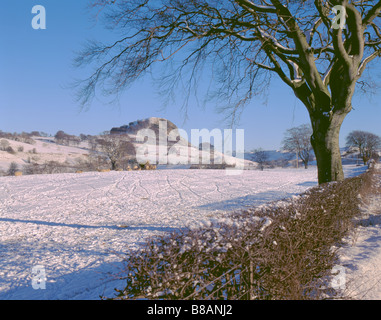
x=150, y=123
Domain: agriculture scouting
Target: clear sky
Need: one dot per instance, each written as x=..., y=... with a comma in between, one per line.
x=36, y=71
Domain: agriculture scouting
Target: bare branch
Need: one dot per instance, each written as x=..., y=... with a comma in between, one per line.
x=372, y=14
x=365, y=62
x=256, y=8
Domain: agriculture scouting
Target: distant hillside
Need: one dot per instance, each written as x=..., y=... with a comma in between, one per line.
x=33, y=153
x=41, y=150
x=68, y=153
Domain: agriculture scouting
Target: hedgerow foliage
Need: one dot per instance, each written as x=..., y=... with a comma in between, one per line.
x=284, y=250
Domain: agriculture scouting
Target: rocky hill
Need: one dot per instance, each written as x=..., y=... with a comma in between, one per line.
x=150, y=123
x=184, y=149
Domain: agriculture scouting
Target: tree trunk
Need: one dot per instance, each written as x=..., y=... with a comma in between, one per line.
x=113, y=164
x=325, y=141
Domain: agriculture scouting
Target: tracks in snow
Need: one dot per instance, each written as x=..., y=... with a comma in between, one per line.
x=69, y=223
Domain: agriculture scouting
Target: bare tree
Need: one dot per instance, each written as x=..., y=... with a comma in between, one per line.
x=261, y=157
x=367, y=143
x=320, y=55
x=298, y=140
x=4, y=144
x=61, y=137
x=13, y=168
x=116, y=148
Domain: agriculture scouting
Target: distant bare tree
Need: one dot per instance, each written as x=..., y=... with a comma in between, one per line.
x=61, y=137
x=10, y=150
x=35, y=133
x=84, y=137
x=116, y=148
x=66, y=139
x=261, y=157
x=298, y=140
x=367, y=143
x=4, y=144
x=13, y=168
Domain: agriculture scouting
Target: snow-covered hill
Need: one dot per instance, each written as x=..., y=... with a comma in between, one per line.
x=42, y=150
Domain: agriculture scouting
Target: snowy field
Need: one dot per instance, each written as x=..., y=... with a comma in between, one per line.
x=74, y=227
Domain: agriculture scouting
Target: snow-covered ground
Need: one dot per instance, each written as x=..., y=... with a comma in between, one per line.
x=72, y=228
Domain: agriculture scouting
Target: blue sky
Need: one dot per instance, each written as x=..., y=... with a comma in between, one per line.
x=37, y=71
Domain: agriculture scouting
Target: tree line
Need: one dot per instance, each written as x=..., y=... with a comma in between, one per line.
x=297, y=140
x=117, y=151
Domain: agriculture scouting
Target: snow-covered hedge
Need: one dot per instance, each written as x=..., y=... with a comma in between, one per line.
x=283, y=250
